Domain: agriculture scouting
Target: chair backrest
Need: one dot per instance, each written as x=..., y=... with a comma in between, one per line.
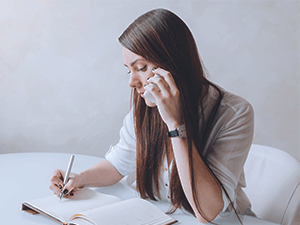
x=273, y=184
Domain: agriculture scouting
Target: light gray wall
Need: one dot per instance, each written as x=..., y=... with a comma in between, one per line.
x=63, y=86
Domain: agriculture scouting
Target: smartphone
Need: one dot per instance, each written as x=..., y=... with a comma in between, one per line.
x=148, y=95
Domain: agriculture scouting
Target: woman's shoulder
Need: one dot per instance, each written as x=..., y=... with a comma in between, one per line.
x=235, y=102
x=230, y=103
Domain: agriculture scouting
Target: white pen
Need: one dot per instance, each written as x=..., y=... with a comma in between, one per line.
x=67, y=174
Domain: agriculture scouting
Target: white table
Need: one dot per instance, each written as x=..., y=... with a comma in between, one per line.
x=25, y=176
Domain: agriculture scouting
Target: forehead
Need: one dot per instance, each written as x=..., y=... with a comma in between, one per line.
x=131, y=58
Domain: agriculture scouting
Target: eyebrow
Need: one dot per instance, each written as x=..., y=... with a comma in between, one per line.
x=135, y=61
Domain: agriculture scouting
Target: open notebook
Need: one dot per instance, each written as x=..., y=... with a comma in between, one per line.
x=89, y=207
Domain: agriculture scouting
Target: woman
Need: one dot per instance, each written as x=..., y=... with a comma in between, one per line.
x=190, y=147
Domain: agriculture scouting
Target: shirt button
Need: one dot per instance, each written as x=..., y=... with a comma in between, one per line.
x=166, y=169
x=168, y=196
x=166, y=185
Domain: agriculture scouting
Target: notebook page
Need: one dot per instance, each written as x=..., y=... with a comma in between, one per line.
x=129, y=212
x=84, y=199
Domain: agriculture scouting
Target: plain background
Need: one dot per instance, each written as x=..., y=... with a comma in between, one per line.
x=63, y=85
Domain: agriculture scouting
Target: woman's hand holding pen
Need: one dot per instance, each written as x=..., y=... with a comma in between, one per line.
x=101, y=174
x=57, y=179
x=167, y=97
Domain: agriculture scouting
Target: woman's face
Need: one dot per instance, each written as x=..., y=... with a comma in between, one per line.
x=139, y=70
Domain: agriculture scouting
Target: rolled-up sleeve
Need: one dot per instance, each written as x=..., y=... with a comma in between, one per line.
x=123, y=155
x=231, y=146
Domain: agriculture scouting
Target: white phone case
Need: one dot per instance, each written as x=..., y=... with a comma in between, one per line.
x=148, y=95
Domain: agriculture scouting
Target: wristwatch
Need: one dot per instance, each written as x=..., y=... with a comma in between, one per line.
x=179, y=132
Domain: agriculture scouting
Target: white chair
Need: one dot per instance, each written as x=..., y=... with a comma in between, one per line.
x=273, y=184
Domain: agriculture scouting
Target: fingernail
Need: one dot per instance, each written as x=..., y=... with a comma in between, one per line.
x=145, y=85
x=60, y=187
x=71, y=194
x=153, y=69
x=65, y=191
x=148, y=78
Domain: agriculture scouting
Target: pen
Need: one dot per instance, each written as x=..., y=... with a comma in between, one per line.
x=67, y=174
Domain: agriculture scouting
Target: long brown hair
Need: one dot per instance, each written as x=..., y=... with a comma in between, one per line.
x=162, y=38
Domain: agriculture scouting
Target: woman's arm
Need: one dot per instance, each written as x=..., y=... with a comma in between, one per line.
x=119, y=162
x=228, y=154
x=101, y=174
x=208, y=191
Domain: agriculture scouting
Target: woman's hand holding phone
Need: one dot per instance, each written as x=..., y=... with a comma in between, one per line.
x=166, y=96
x=148, y=95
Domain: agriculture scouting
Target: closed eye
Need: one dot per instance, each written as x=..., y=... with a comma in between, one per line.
x=143, y=68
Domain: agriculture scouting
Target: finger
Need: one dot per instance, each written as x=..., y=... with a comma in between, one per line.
x=69, y=187
x=153, y=89
x=166, y=83
x=55, y=189
x=160, y=82
x=67, y=193
x=56, y=181
x=71, y=193
x=168, y=78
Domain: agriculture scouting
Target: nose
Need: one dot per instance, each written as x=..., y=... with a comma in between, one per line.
x=134, y=81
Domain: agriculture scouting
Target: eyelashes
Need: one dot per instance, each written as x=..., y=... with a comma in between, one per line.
x=144, y=68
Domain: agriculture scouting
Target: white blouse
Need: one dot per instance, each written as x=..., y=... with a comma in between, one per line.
x=228, y=144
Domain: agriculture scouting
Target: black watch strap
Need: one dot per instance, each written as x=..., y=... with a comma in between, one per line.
x=179, y=132
x=173, y=133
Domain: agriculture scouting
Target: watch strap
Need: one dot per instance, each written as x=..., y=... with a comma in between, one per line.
x=179, y=132
x=173, y=133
